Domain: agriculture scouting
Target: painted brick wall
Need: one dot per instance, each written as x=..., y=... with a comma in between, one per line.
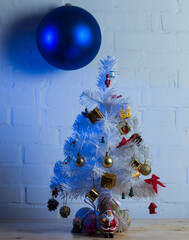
x=38, y=103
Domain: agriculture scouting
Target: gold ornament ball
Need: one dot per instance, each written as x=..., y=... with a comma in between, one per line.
x=79, y=161
x=107, y=161
x=145, y=169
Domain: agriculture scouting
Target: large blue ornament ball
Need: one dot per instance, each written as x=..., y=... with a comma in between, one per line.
x=69, y=37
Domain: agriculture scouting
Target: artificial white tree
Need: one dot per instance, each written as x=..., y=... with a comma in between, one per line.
x=105, y=139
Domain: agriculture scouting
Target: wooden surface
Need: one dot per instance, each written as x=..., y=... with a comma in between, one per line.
x=140, y=229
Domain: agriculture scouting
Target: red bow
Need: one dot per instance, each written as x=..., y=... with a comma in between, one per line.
x=123, y=142
x=154, y=181
x=135, y=138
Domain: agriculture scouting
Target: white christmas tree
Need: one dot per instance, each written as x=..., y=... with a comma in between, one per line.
x=105, y=140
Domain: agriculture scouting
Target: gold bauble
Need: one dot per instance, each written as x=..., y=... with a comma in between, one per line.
x=145, y=169
x=107, y=161
x=79, y=161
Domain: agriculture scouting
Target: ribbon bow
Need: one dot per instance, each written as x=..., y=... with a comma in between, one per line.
x=154, y=181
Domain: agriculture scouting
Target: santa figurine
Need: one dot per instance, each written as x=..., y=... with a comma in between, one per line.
x=108, y=224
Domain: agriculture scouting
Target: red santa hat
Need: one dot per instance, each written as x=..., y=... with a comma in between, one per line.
x=108, y=210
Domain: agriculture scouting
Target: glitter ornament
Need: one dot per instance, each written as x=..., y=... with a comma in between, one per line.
x=64, y=211
x=145, y=169
x=107, y=161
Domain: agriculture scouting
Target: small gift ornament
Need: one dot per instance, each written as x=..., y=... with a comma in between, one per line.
x=123, y=127
x=93, y=194
x=134, y=163
x=125, y=113
x=95, y=115
x=108, y=180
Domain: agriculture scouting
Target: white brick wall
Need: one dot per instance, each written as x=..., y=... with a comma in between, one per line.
x=38, y=103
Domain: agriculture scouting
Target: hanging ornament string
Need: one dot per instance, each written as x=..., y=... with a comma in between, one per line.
x=65, y=199
x=89, y=202
x=79, y=160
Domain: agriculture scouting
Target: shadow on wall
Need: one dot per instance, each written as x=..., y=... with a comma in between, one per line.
x=21, y=47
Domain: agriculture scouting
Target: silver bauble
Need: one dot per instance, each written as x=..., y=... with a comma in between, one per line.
x=107, y=161
x=79, y=161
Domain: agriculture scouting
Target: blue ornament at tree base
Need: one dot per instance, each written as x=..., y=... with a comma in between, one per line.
x=69, y=37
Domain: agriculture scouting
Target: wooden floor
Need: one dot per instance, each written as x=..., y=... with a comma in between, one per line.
x=140, y=229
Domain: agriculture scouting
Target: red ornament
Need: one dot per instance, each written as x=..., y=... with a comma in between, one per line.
x=116, y=96
x=107, y=81
x=119, y=96
x=134, y=138
x=55, y=192
x=152, y=208
x=123, y=142
x=154, y=181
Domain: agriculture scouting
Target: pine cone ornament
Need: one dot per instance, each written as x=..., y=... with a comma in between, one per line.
x=52, y=204
x=64, y=211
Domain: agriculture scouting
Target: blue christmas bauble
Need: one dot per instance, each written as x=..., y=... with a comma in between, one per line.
x=69, y=37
